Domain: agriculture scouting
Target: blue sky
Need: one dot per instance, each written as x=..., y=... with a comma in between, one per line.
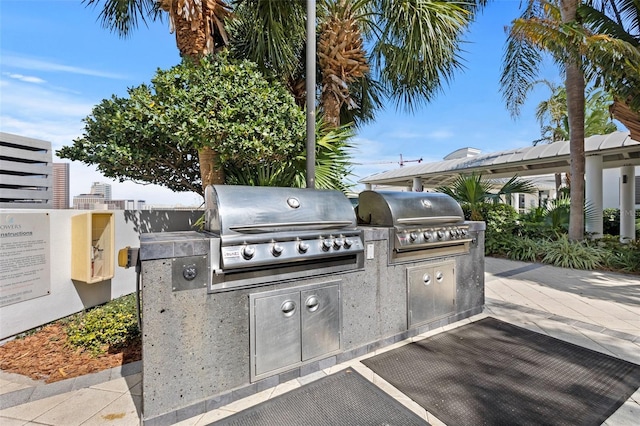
x=57, y=62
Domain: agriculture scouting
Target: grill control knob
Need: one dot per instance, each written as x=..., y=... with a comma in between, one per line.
x=248, y=252
x=440, y=235
x=276, y=249
x=303, y=247
x=348, y=243
x=327, y=244
x=338, y=243
x=452, y=233
x=427, y=236
x=413, y=236
x=464, y=232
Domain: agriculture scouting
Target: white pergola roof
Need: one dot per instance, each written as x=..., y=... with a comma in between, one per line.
x=617, y=149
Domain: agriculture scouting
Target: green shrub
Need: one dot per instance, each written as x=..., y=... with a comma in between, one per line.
x=572, y=254
x=525, y=249
x=620, y=257
x=112, y=324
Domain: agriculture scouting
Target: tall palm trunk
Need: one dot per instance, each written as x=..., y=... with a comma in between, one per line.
x=575, y=85
x=342, y=60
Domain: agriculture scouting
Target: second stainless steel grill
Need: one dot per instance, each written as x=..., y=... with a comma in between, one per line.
x=265, y=234
x=422, y=224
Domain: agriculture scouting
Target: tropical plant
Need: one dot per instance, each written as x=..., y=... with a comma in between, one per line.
x=598, y=39
x=367, y=49
x=549, y=27
x=473, y=191
x=333, y=167
x=214, y=101
x=612, y=51
x=572, y=254
x=553, y=119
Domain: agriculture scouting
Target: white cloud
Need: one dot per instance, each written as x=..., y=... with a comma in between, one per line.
x=25, y=78
x=16, y=61
x=440, y=134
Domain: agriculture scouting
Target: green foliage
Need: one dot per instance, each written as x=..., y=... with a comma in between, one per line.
x=333, y=165
x=112, y=324
x=572, y=254
x=525, y=249
x=472, y=191
x=621, y=257
x=532, y=237
x=501, y=225
x=153, y=134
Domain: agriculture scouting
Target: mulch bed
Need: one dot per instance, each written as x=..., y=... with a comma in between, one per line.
x=46, y=355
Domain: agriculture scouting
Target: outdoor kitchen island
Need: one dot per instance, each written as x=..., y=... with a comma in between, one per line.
x=213, y=334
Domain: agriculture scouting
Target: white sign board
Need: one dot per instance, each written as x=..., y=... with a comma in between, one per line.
x=25, y=270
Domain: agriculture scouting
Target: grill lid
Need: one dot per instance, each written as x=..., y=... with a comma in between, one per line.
x=250, y=210
x=403, y=209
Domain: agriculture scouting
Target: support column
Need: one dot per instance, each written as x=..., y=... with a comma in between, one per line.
x=593, y=195
x=627, y=203
x=417, y=184
x=367, y=186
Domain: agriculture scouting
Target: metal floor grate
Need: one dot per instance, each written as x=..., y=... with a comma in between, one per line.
x=492, y=372
x=341, y=399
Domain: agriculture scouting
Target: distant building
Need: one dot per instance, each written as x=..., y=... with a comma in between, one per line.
x=97, y=202
x=101, y=188
x=60, y=185
x=25, y=172
x=135, y=205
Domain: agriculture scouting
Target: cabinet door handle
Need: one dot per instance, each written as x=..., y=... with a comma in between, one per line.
x=288, y=308
x=426, y=278
x=439, y=276
x=312, y=303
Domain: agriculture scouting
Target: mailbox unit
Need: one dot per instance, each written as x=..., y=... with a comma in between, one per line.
x=92, y=247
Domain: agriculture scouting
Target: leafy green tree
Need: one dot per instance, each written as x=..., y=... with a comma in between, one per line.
x=199, y=27
x=473, y=191
x=333, y=166
x=212, y=102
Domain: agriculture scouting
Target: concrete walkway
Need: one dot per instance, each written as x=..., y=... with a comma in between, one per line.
x=597, y=310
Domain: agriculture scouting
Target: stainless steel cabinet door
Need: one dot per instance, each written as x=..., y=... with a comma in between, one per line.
x=420, y=288
x=431, y=292
x=444, y=295
x=320, y=311
x=277, y=336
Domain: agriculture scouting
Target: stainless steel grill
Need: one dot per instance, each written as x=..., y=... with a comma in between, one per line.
x=266, y=234
x=421, y=223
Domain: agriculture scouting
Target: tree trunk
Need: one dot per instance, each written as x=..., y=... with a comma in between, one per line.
x=574, y=82
x=331, y=108
x=210, y=172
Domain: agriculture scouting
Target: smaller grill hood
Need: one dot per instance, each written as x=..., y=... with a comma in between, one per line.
x=401, y=209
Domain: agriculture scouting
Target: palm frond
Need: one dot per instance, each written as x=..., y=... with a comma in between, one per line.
x=123, y=16
x=417, y=48
x=270, y=33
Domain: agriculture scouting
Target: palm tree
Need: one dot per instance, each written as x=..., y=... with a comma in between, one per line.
x=548, y=27
x=554, y=123
x=582, y=38
x=613, y=55
x=368, y=50
x=474, y=191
